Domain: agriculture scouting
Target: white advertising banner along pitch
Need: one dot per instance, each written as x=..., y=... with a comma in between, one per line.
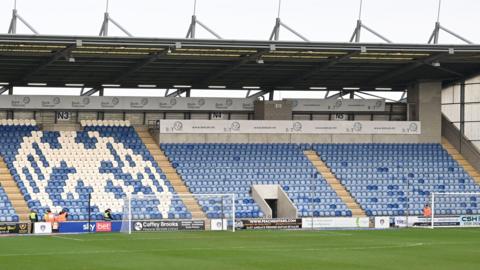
x=179, y=104
x=338, y=105
x=335, y=222
x=288, y=127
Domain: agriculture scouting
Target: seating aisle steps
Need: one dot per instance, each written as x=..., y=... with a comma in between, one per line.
x=166, y=166
x=13, y=192
x=461, y=160
x=336, y=185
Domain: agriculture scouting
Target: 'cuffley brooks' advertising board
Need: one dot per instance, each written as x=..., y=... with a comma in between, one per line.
x=19, y=228
x=155, y=226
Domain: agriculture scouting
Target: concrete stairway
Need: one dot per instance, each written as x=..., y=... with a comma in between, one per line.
x=461, y=160
x=172, y=175
x=336, y=185
x=13, y=192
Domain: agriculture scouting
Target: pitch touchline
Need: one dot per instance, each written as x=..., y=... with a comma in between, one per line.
x=207, y=248
x=198, y=237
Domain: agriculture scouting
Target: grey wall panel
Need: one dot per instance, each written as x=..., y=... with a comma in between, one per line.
x=113, y=116
x=23, y=115
x=134, y=118
x=46, y=117
x=175, y=116
x=87, y=116
x=239, y=116
x=200, y=116
x=301, y=117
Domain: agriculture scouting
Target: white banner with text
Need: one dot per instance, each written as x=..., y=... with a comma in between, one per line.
x=288, y=127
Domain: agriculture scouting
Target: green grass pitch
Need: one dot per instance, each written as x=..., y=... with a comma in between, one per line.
x=410, y=249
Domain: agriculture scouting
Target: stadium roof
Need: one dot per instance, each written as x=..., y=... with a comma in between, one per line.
x=59, y=61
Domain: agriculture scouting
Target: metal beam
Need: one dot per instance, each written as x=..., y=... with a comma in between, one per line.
x=8, y=89
x=259, y=94
x=375, y=96
x=193, y=26
x=92, y=91
x=177, y=92
x=318, y=68
x=13, y=23
x=275, y=35
x=358, y=29
x=339, y=95
x=136, y=67
x=57, y=55
x=426, y=61
x=223, y=71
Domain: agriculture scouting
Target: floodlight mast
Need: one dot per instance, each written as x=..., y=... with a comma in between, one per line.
x=107, y=19
x=15, y=17
x=435, y=36
x=278, y=24
x=192, y=29
x=360, y=25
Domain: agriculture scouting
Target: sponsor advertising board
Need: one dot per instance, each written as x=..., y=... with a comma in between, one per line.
x=168, y=225
x=335, y=222
x=470, y=221
x=17, y=228
x=338, y=105
x=382, y=222
x=125, y=103
x=84, y=227
x=288, y=127
x=42, y=228
x=219, y=225
x=180, y=104
x=104, y=227
x=424, y=222
x=258, y=224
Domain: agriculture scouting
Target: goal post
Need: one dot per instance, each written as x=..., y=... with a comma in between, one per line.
x=178, y=212
x=455, y=210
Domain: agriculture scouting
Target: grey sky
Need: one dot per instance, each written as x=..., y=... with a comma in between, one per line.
x=402, y=21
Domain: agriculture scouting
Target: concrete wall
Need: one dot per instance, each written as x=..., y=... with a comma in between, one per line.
x=427, y=97
x=285, y=207
x=273, y=110
x=461, y=143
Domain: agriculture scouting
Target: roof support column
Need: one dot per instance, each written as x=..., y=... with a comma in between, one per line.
x=426, y=98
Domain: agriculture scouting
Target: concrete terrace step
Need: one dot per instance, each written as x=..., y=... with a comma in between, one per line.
x=336, y=185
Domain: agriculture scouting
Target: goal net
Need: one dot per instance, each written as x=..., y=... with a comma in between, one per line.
x=178, y=212
x=454, y=210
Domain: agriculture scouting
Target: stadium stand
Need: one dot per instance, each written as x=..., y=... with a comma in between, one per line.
x=107, y=160
x=7, y=213
x=397, y=179
x=233, y=168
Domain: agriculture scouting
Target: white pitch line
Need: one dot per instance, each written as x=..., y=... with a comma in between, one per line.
x=68, y=238
x=211, y=248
